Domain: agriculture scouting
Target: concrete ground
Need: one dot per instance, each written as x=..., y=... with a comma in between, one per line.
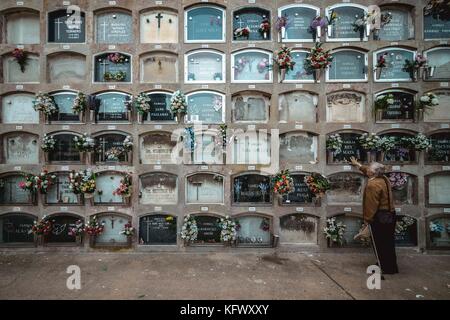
x=244, y=275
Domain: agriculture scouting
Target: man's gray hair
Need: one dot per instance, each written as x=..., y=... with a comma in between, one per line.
x=377, y=168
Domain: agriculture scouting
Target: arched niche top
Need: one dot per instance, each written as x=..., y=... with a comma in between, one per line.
x=355, y=131
x=119, y=93
x=436, y=21
x=65, y=213
x=400, y=89
x=22, y=25
x=64, y=132
x=211, y=18
x=108, y=132
x=115, y=213
x=397, y=131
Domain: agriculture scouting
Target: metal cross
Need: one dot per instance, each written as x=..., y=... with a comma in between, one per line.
x=112, y=222
x=58, y=22
x=104, y=24
x=104, y=64
x=159, y=17
x=197, y=185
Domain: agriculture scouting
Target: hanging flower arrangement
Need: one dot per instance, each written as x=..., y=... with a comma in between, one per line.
x=125, y=187
x=385, y=18
x=41, y=227
x=128, y=230
x=419, y=142
x=263, y=65
x=264, y=28
x=317, y=184
x=359, y=25
x=332, y=17
x=79, y=103
x=284, y=59
x=387, y=143
x=369, y=142
x=282, y=22
x=117, y=58
x=398, y=180
x=21, y=57
x=334, y=231
x=118, y=76
x=241, y=32
x=82, y=182
x=43, y=181
x=382, y=61
x=77, y=229
x=228, y=232
x=318, y=58
x=48, y=143
x=44, y=103
x=178, y=103
x=265, y=224
x=189, y=229
x=128, y=143
x=428, y=101
x=384, y=101
x=283, y=183
x=93, y=227
x=142, y=103
x=317, y=22
x=84, y=143
x=28, y=184
x=334, y=142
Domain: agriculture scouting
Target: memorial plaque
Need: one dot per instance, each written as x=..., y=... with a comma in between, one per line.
x=253, y=230
x=401, y=152
x=348, y=65
x=436, y=27
x=298, y=73
x=159, y=27
x=403, y=186
x=400, y=28
x=353, y=225
x=204, y=188
x=159, y=188
x=107, y=69
x=64, y=102
x=21, y=148
x=250, y=107
x=111, y=106
x=67, y=68
x=401, y=109
x=64, y=149
x=207, y=107
x=252, y=19
x=159, y=68
x=250, y=66
x=18, y=108
x=207, y=151
x=106, y=145
x=23, y=28
x=114, y=224
x=14, y=228
x=345, y=107
x=440, y=147
x=106, y=184
x=114, y=27
x=299, y=20
x=205, y=67
x=439, y=59
x=298, y=229
x=439, y=189
x=298, y=147
x=60, y=193
x=66, y=27
x=252, y=188
x=408, y=237
x=350, y=148
x=208, y=229
x=439, y=232
x=251, y=148
x=156, y=149
x=205, y=24
x=298, y=106
x=440, y=112
x=395, y=62
x=301, y=193
x=345, y=188
x=11, y=193
x=60, y=229
x=158, y=229
x=159, y=107
x=342, y=27
x=13, y=74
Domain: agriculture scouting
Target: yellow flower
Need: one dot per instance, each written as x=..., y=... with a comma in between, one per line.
x=169, y=218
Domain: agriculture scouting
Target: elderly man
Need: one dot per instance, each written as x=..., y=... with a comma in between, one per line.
x=379, y=213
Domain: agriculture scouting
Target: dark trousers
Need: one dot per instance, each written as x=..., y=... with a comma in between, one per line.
x=383, y=230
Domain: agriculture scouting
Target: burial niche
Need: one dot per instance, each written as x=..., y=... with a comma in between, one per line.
x=156, y=148
x=17, y=108
x=351, y=147
x=353, y=225
x=439, y=233
x=208, y=229
x=114, y=27
x=20, y=148
x=60, y=192
x=250, y=107
x=158, y=229
x=159, y=107
x=436, y=21
x=205, y=106
x=112, y=67
x=402, y=152
x=395, y=62
x=159, y=67
x=440, y=147
x=348, y=66
x=438, y=191
x=13, y=74
x=15, y=227
x=10, y=191
x=298, y=74
x=66, y=68
x=64, y=103
x=110, y=149
x=204, y=188
x=106, y=184
x=298, y=147
x=345, y=187
x=298, y=229
x=400, y=26
x=439, y=61
x=112, y=106
x=113, y=226
x=402, y=108
x=346, y=107
x=404, y=187
x=206, y=150
x=23, y=27
x=299, y=19
x=252, y=188
x=61, y=223
x=66, y=26
x=441, y=112
x=253, y=230
x=205, y=23
x=65, y=150
x=204, y=66
x=301, y=193
x=159, y=26
x=250, y=66
x=298, y=106
x=158, y=188
x=342, y=28
x=406, y=231
x=252, y=147
x=251, y=18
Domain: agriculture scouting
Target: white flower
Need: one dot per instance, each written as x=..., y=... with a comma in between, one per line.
x=425, y=99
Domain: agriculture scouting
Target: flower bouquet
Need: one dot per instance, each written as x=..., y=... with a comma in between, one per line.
x=381, y=63
x=318, y=23
x=128, y=230
x=118, y=76
x=398, y=180
x=284, y=61
x=359, y=25
x=117, y=58
x=241, y=33
x=84, y=143
x=189, y=229
x=79, y=103
x=228, y=232
x=420, y=142
x=125, y=187
x=264, y=28
x=127, y=143
x=43, y=181
x=317, y=184
x=142, y=103
x=382, y=103
x=265, y=225
x=48, y=143
x=403, y=225
x=369, y=142
x=82, y=182
x=333, y=145
x=178, y=104
x=28, y=184
x=283, y=183
x=21, y=58
x=93, y=228
x=41, y=228
x=427, y=102
x=334, y=231
x=76, y=230
x=281, y=26
x=44, y=103
x=317, y=60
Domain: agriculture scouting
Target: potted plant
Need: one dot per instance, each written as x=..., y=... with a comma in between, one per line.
x=45, y=104
x=333, y=145
x=228, y=230
x=79, y=105
x=128, y=231
x=47, y=145
x=84, y=144
x=318, y=59
x=124, y=189
x=93, y=228
x=178, y=105
x=317, y=184
x=426, y=102
x=381, y=63
x=284, y=61
x=369, y=142
x=334, y=232
x=382, y=103
x=77, y=231
x=40, y=229
x=264, y=28
x=419, y=143
x=281, y=26
x=142, y=104
x=283, y=183
x=241, y=33
x=189, y=230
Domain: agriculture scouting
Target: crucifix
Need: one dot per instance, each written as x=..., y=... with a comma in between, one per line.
x=104, y=24
x=103, y=148
x=159, y=17
x=112, y=222
x=197, y=184
x=103, y=64
x=57, y=23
